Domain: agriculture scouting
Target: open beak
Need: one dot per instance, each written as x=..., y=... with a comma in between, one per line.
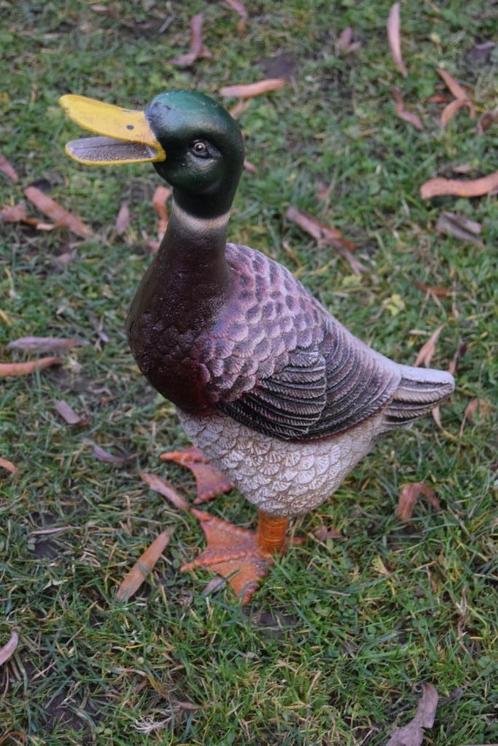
x=123, y=135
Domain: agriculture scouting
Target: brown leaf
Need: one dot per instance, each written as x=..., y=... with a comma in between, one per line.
x=253, y=89
x=326, y=235
x=143, y=566
x=486, y=121
x=213, y=585
x=433, y=290
x=45, y=344
x=344, y=42
x=250, y=167
x=481, y=405
x=8, y=465
x=29, y=367
x=197, y=48
x=462, y=168
x=409, y=495
x=67, y=412
x=8, y=169
x=407, y=116
x=14, y=213
x=122, y=219
x=241, y=9
x=209, y=481
x=460, y=352
x=436, y=416
x=393, y=36
x=453, y=85
x=56, y=212
x=239, y=108
x=458, y=226
x=460, y=187
x=165, y=489
x=452, y=108
x=19, y=214
x=8, y=650
x=161, y=196
x=413, y=733
x=327, y=532
x=427, y=351
x=102, y=455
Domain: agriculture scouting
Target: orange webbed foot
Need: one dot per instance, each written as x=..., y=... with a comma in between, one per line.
x=233, y=553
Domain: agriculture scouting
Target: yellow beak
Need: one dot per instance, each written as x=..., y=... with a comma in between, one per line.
x=124, y=135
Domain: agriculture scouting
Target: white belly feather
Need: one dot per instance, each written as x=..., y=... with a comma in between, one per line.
x=280, y=477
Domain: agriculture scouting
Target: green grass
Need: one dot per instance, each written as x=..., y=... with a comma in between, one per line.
x=333, y=646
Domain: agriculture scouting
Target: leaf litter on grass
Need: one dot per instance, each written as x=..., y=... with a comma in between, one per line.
x=143, y=566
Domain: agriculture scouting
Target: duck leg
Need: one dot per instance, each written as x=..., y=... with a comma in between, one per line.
x=241, y=555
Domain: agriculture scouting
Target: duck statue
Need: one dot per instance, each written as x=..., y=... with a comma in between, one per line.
x=275, y=391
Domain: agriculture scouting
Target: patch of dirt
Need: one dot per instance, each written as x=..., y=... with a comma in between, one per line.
x=281, y=65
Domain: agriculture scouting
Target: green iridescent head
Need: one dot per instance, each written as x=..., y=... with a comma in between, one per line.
x=194, y=144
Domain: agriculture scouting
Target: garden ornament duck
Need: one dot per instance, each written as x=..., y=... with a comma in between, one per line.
x=277, y=393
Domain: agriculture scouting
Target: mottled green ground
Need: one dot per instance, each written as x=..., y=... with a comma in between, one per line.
x=333, y=647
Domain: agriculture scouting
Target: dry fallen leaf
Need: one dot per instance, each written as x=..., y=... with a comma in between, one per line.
x=459, y=187
x=451, y=109
x=462, y=168
x=165, y=489
x=56, y=212
x=438, y=292
x=239, y=108
x=8, y=465
x=161, y=196
x=393, y=36
x=409, y=495
x=326, y=235
x=44, y=344
x=481, y=405
x=454, y=86
x=486, y=121
x=241, y=9
x=460, y=352
x=197, y=48
x=327, y=532
x=253, y=89
x=67, y=412
x=8, y=169
x=458, y=226
x=250, y=167
x=14, y=213
x=25, y=369
x=209, y=481
x=122, y=219
x=344, y=42
x=143, y=566
x=407, y=116
x=8, y=650
x=19, y=214
x=213, y=585
x=413, y=733
x=427, y=351
x=109, y=458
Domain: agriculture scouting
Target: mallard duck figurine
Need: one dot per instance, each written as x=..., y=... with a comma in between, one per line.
x=273, y=389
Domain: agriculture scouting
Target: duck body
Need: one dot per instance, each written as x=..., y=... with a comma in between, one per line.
x=274, y=390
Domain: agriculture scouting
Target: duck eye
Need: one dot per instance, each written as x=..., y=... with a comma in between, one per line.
x=200, y=149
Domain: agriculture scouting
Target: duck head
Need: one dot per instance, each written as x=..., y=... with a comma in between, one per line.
x=192, y=141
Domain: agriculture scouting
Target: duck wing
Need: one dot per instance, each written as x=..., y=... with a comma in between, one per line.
x=279, y=363
x=319, y=393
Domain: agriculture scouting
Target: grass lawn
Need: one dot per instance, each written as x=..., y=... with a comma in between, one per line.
x=333, y=648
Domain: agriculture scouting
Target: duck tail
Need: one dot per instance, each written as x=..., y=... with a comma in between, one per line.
x=419, y=391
